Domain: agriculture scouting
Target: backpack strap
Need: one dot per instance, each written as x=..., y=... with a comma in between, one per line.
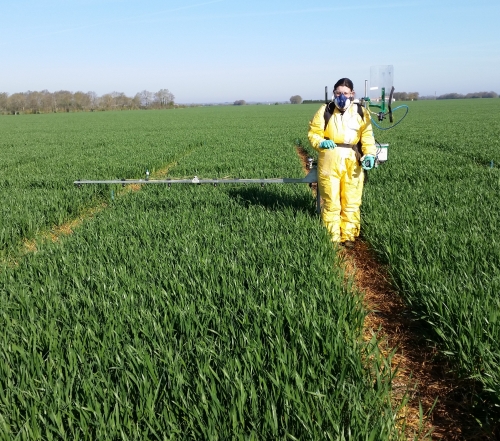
x=329, y=109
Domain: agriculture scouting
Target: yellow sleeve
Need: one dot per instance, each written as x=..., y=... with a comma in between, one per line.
x=366, y=135
x=316, y=132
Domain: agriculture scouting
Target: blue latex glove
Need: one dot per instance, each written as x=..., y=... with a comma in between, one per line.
x=367, y=162
x=327, y=144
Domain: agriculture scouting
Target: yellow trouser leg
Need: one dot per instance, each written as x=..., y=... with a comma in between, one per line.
x=351, y=191
x=329, y=189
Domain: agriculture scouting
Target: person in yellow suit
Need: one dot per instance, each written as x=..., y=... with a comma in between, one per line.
x=342, y=133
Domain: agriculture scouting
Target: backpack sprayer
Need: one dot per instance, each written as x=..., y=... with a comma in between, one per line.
x=383, y=81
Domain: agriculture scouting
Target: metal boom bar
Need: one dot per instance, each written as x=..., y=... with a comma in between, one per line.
x=310, y=178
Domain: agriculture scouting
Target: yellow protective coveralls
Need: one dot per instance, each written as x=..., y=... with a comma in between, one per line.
x=340, y=176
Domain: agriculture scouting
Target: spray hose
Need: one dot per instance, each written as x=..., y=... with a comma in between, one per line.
x=381, y=117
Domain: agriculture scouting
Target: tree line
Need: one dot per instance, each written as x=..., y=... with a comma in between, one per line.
x=405, y=96
x=66, y=101
x=451, y=96
x=412, y=96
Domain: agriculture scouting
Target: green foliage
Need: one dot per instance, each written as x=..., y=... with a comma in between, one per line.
x=431, y=213
x=185, y=313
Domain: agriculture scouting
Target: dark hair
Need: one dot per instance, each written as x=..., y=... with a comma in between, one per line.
x=344, y=82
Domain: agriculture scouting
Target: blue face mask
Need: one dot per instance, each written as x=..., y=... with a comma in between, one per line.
x=342, y=101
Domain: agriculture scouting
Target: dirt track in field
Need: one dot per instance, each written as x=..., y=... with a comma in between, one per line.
x=421, y=374
x=55, y=233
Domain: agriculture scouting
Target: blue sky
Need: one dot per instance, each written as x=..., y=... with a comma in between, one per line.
x=258, y=50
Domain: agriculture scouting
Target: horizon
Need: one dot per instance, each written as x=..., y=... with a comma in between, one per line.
x=264, y=102
x=221, y=51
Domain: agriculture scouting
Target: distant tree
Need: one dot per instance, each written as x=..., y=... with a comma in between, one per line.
x=4, y=96
x=482, y=95
x=146, y=98
x=106, y=102
x=93, y=100
x=240, y=103
x=136, y=101
x=63, y=100
x=34, y=101
x=16, y=103
x=405, y=96
x=121, y=101
x=164, y=98
x=400, y=96
x=48, y=101
x=296, y=99
x=81, y=101
x=450, y=96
